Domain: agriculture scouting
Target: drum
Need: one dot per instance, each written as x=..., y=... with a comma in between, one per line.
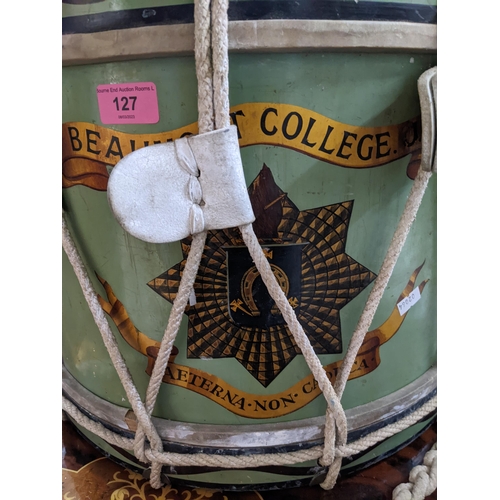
x=324, y=98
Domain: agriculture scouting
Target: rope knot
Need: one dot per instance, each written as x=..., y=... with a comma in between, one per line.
x=422, y=480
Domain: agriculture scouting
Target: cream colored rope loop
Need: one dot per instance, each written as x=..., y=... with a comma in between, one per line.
x=423, y=479
x=244, y=461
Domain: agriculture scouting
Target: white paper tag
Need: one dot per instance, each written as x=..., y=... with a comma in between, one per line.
x=409, y=301
x=192, y=298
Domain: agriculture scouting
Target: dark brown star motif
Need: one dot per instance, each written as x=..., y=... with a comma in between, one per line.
x=235, y=317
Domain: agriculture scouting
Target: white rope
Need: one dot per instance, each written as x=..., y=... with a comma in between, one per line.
x=203, y=58
x=336, y=422
x=255, y=460
x=220, y=62
x=213, y=107
x=108, y=338
x=423, y=479
x=405, y=222
x=155, y=455
x=174, y=322
x=98, y=313
x=205, y=78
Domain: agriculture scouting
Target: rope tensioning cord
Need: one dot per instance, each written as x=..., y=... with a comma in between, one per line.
x=213, y=107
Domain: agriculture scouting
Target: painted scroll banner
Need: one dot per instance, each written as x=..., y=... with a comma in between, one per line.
x=242, y=403
x=88, y=148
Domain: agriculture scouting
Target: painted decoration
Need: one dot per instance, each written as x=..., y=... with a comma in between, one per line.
x=231, y=314
x=330, y=145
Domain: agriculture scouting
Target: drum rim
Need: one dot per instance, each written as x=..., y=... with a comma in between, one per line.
x=248, y=438
x=315, y=476
x=262, y=36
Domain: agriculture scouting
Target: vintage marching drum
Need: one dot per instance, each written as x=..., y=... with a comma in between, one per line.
x=324, y=97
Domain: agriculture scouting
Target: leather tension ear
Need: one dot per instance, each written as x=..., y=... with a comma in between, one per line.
x=165, y=192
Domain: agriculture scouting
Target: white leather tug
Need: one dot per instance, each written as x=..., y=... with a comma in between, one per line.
x=165, y=192
x=427, y=92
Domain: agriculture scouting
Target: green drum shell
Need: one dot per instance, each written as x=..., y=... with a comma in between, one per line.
x=351, y=86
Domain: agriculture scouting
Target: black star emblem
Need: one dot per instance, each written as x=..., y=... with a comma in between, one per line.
x=234, y=315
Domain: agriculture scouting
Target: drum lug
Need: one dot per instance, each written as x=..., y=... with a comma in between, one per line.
x=427, y=91
x=165, y=479
x=146, y=473
x=319, y=477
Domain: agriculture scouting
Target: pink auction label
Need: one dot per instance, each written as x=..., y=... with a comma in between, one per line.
x=135, y=102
